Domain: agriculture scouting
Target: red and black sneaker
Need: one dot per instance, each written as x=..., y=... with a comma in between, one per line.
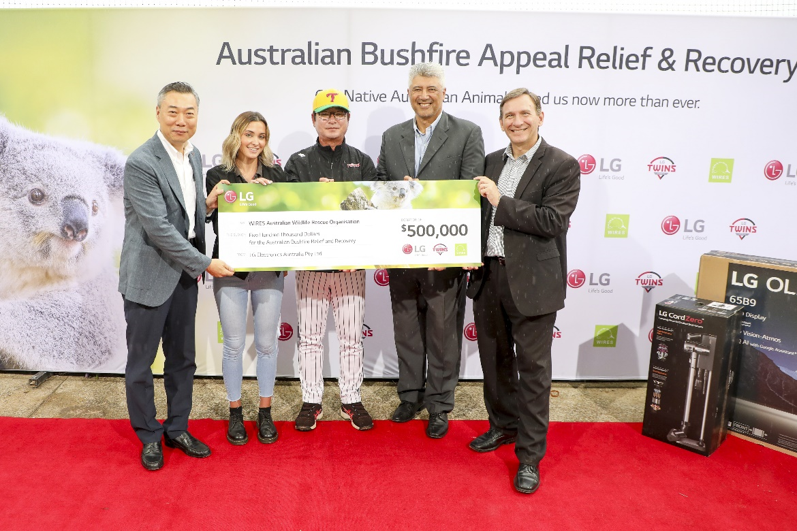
x=359, y=417
x=305, y=421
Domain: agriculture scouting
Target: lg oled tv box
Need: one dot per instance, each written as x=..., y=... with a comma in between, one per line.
x=766, y=395
x=692, y=366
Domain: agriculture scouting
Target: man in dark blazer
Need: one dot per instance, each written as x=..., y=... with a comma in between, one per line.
x=429, y=305
x=529, y=193
x=163, y=254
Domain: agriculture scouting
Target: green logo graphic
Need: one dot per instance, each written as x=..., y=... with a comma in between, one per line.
x=219, y=333
x=616, y=226
x=460, y=249
x=721, y=171
x=605, y=336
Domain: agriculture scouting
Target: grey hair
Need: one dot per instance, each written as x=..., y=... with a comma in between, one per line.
x=516, y=93
x=177, y=86
x=428, y=70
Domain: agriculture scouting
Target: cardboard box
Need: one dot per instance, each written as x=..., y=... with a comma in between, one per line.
x=692, y=366
x=765, y=405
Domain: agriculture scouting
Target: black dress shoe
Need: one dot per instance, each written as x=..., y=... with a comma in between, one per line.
x=527, y=479
x=152, y=456
x=406, y=411
x=266, y=431
x=494, y=438
x=236, y=433
x=438, y=425
x=189, y=444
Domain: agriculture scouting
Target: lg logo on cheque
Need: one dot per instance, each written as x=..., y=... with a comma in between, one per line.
x=231, y=196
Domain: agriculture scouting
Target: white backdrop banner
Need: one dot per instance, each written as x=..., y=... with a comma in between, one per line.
x=683, y=126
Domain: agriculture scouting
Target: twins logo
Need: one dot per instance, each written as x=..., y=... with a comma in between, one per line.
x=470, y=332
x=367, y=332
x=661, y=166
x=557, y=334
x=440, y=249
x=773, y=170
x=286, y=332
x=381, y=277
x=743, y=227
x=649, y=280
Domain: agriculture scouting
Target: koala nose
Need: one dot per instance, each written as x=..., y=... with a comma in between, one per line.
x=75, y=221
x=402, y=193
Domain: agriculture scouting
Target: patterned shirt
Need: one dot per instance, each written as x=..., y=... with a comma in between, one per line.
x=514, y=168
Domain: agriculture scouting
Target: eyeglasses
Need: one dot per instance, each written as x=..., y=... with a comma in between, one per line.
x=339, y=116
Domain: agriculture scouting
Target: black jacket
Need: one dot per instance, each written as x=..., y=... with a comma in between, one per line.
x=345, y=163
x=218, y=173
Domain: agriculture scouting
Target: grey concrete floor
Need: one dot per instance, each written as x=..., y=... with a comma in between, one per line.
x=78, y=396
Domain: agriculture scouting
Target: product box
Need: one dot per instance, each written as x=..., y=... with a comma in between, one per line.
x=692, y=365
x=765, y=405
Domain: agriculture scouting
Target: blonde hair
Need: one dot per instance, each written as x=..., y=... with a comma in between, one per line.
x=231, y=144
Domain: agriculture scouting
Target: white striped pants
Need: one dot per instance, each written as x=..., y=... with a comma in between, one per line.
x=346, y=291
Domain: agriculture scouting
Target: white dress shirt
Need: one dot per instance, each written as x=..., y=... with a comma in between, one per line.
x=185, y=174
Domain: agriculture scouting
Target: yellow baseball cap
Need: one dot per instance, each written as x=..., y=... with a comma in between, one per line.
x=330, y=98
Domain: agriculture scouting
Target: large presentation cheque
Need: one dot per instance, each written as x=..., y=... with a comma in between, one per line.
x=350, y=225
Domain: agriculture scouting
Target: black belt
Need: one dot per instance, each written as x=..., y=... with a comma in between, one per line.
x=500, y=259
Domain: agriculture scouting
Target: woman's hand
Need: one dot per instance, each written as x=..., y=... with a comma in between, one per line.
x=212, y=200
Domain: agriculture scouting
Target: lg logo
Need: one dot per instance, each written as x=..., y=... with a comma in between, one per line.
x=381, y=277
x=671, y=225
x=286, y=332
x=588, y=164
x=773, y=170
x=577, y=278
x=470, y=332
x=231, y=196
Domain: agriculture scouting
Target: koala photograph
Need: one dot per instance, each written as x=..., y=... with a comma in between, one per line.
x=392, y=195
x=61, y=233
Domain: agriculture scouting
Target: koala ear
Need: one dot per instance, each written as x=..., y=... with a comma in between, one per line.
x=114, y=171
x=416, y=188
x=112, y=164
x=5, y=133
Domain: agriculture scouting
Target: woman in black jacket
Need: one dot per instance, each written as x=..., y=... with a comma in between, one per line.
x=247, y=158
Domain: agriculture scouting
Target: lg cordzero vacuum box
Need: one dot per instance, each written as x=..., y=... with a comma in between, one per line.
x=692, y=366
x=766, y=393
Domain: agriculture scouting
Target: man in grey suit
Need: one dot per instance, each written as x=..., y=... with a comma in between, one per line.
x=163, y=254
x=529, y=192
x=429, y=305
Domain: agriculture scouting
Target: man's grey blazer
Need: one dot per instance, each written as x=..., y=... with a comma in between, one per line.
x=156, y=249
x=455, y=151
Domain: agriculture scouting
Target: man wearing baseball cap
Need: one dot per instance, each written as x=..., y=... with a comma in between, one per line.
x=331, y=159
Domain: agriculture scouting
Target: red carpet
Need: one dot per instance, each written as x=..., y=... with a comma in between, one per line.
x=85, y=474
